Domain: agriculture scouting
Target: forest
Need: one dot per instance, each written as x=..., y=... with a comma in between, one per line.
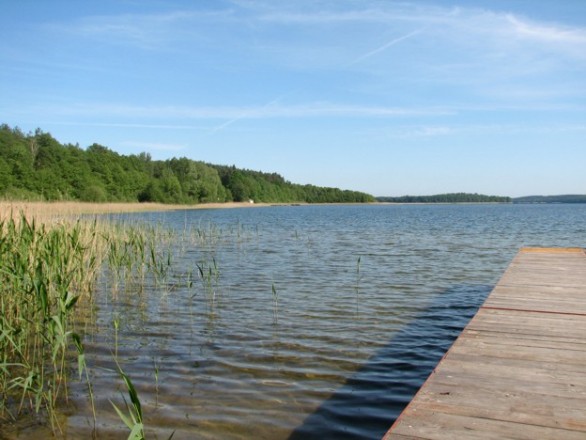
x=564, y=198
x=447, y=198
x=35, y=166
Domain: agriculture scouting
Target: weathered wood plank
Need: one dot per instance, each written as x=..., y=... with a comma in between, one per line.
x=518, y=370
x=434, y=425
x=511, y=341
x=509, y=407
x=521, y=352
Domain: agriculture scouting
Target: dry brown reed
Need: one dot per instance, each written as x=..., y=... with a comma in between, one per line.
x=56, y=211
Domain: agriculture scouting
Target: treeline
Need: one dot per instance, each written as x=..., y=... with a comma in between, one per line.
x=565, y=198
x=447, y=198
x=36, y=166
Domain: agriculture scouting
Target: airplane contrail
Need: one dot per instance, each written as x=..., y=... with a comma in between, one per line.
x=248, y=113
x=217, y=128
x=385, y=46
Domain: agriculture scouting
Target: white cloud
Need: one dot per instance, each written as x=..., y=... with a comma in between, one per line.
x=524, y=28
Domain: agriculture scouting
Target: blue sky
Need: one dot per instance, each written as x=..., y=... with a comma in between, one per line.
x=387, y=97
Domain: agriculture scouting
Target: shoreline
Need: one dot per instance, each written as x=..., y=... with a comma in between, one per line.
x=55, y=210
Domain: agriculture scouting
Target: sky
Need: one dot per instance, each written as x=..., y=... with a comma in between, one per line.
x=382, y=96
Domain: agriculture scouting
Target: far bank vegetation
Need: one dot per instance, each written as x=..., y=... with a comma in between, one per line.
x=35, y=166
x=447, y=198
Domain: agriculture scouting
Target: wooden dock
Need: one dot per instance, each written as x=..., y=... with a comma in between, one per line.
x=518, y=370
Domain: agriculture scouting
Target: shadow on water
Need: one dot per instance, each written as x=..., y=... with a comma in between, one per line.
x=368, y=403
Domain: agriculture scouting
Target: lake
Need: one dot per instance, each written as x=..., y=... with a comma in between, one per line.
x=301, y=322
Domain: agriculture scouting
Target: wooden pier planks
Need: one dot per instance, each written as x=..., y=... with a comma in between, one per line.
x=518, y=370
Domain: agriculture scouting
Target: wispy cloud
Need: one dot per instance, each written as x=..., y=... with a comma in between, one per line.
x=142, y=30
x=525, y=28
x=251, y=26
x=435, y=131
x=232, y=114
x=317, y=13
x=151, y=126
x=423, y=60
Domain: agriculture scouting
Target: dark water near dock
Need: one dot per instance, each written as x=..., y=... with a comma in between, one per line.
x=366, y=301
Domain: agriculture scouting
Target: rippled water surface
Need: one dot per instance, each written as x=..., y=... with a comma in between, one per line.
x=366, y=300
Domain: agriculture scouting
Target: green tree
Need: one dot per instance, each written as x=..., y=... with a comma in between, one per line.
x=37, y=166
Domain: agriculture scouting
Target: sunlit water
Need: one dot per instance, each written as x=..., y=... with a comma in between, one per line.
x=366, y=300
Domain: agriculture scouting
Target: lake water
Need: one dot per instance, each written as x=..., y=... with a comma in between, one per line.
x=322, y=323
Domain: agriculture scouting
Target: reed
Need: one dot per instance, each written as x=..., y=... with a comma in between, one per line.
x=358, y=277
x=209, y=275
x=275, y=304
x=51, y=212
x=44, y=271
x=51, y=261
x=47, y=268
x=132, y=417
x=56, y=211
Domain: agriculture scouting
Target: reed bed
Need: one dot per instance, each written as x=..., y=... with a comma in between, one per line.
x=55, y=211
x=46, y=212
x=50, y=262
x=44, y=271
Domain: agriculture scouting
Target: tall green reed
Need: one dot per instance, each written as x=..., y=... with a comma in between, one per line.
x=132, y=417
x=48, y=276
x=43, y=272
x=46, y=271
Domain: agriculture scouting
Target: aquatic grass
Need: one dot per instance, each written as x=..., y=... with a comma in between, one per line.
x=132, y=418
x=209, y=275
x=82, y=367
x=358, y=276
x=275, y=304
x=46, y=270
x=156, y=370
x=357, y=285
x=158, y=254
x=116, y=323
x=43, y=272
